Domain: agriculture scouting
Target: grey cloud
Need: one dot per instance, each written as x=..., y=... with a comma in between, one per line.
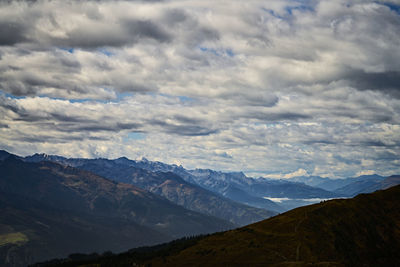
x=201, y=34
x=93, y=38
x=99, y=127
x=188, y=120
x=320, y=142
x=96, y=30
x=146, y=29
x=65, y=118
x=366, y=114
x=347, y=160
x=12, y=33
x=386, y=82
x=61, y=74
x=174, y=16
x=79, y=124
x=126, y=32
x=278, y=116
x=126, y=85
x=184, y=129
x=56, y=140
x=8, y=104
x=386, y=156
x=243, y=95
x=379, y=143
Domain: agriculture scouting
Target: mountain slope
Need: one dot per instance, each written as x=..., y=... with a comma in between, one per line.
x=49, y=210
x=177, y=190
x=238, y=195
x=360, y=185
x=364, y=231
x=335, y=184
x=384, y=184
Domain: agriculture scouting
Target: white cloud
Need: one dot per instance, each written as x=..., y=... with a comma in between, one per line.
x=366, y=172
x=299, y=172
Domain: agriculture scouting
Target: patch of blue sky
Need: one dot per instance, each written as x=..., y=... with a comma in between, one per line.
x=182, y=98
x=136, y=136
x=272, y=13
x=229, y=52
x=106, y=52
x=302, y=8
x=84, y=100
x=185, y=99
x=218, y=52
x=70, y=50
x=392, y=6
x=8, y=95
x=121, y=96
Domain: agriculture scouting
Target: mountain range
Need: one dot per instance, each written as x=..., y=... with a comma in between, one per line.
x=362, y=231
x=172, y=187
x=168, y=184
x=102, y=204
x=236, y=186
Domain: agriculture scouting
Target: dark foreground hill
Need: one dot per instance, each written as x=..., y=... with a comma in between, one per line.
x=48, y=210
x=363, y=231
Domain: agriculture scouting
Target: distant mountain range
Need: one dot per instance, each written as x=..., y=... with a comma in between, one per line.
x=174, y=188
x=236, y=186
x=102, y=204
x=363, y=231
x=350, y=186
x=161, y=179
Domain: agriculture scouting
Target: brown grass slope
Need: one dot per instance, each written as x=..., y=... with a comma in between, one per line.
x=363, y=231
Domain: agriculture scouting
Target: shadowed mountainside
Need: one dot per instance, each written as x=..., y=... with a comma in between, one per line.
x=49, y=210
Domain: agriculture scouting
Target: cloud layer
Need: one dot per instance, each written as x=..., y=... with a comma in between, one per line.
x=272, y=88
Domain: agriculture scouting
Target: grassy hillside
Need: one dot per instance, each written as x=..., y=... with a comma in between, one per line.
x=355, y=232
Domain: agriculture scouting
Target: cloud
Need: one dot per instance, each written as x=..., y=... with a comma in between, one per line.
x=11, y=33
x=386, y=82
x=263, y=87
x=366, y=172
x=299, y=172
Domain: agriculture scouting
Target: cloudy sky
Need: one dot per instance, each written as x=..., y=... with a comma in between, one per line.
x=274, y=88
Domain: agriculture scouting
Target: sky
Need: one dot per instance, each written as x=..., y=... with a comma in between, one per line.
x=276, y=88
